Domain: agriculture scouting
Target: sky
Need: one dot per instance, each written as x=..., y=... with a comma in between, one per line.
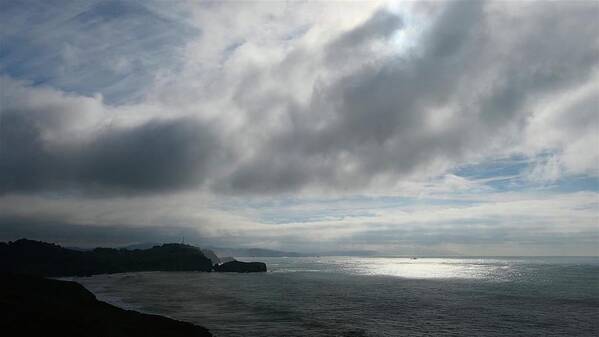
x=402, y=128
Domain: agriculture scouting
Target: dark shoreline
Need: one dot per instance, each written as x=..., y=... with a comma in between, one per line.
x=31, y=306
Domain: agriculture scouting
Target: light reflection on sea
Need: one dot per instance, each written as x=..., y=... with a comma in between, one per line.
x=415, y=268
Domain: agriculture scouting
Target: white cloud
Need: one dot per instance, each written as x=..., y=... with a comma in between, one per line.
x=568, y=126
x=184, y=107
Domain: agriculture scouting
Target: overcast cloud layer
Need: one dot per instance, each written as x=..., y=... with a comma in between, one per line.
x=311, y=126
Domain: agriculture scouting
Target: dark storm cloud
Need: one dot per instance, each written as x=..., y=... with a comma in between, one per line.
x=159, y=155
x=483, y=65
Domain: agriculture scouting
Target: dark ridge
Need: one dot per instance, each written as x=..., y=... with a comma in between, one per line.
x=34, y=306
x=46, y=259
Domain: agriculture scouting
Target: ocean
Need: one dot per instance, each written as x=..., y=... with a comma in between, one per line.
x=373, y=296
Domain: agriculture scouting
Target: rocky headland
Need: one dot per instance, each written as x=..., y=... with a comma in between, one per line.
x=47, y=259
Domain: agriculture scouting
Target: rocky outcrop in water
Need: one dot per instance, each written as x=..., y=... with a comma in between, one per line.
x=34, y=306
x=241, y=267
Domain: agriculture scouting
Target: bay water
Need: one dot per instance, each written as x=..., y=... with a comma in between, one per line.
x=374, y=296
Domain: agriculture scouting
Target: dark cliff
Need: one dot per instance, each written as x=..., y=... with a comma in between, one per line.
x=34, y=306
x=45, y=259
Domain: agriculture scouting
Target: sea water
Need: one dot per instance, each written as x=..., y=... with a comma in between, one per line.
x=374, y=296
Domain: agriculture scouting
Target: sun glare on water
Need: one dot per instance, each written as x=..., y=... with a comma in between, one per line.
x=426, y=268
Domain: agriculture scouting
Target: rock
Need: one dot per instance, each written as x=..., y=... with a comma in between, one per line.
x=241, y=267
x=34, y=306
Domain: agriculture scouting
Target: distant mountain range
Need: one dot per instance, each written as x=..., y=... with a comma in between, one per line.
x=253, y=252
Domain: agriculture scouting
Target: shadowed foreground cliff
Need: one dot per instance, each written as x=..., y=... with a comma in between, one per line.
x=34, y=306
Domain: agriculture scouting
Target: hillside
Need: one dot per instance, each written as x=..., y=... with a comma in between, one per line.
x=46, y=259
x=34, y=306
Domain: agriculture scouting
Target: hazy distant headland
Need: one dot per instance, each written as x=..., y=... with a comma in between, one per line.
x=261, y=252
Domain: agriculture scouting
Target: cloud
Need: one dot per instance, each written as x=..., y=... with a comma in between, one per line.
x=502, y=223
x=55, y=142
x=465, y=93
x=567, y=129
x=468, y=90
x=113, y=47
x=143, y=110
